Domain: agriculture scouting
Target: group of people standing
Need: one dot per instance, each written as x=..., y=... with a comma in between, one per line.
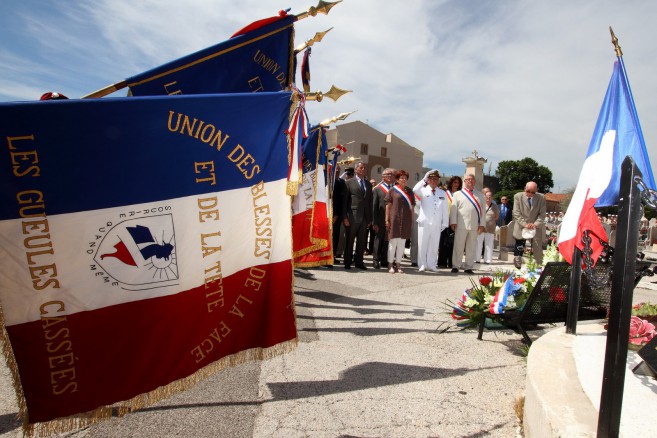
x=450, y=223
x=387, y=207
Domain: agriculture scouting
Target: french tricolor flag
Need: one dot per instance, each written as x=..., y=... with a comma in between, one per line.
x=144, y=244
x=617, y=134
x=501, y=297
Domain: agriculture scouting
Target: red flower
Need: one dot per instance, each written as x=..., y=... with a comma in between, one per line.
x=557, y=294
x=519, y=280
x=485, y=281
x=641, y=331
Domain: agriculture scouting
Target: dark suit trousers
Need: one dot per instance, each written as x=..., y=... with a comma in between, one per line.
x=445, y=249
x=380, y=252
x=357, y=232
x=336, y=237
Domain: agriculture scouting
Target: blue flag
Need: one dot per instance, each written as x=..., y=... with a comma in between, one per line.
x=258, y=60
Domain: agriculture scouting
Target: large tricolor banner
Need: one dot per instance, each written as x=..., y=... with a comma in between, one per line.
x=145, y=242
x=257, y=58
x=617, y=134
x=310, y=220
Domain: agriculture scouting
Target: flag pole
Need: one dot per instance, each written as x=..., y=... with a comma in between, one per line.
x=106, y=90
x=620, y=305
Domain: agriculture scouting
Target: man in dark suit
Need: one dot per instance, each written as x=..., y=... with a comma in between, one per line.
x=380, y=253
x=359, y=217
x=505, y=212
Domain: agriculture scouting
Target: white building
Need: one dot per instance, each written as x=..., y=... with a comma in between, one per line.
x=377, y=150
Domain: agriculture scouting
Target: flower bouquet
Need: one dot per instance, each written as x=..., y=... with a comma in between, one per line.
x=642, y=325
x=642, y=329
x=641, y=332
x=485, y=295
x=495, y=293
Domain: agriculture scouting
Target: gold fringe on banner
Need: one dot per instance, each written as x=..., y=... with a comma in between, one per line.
x=318, y=263
x=292, y=186
x=10, y=360
x=78, y=421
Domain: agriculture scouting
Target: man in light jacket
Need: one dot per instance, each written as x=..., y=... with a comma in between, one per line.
x=467, y=219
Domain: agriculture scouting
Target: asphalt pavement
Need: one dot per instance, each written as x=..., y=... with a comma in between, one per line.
x=378, y=357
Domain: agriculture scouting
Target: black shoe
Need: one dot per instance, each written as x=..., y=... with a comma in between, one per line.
x=517, y=262
x=468, y=271
x=455, y=270
x=413, y=265
x=361, y=267
x=377, y=265
x=347, y=266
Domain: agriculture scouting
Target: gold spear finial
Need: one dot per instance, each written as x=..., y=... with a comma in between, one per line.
x=348, y=160
x=322, y=7
x=317, y=38
x=334, y=93
x=614, y=41
x=334, y=119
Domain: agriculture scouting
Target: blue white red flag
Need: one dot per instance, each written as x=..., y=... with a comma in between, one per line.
x=617, y=134
x=257, y=58
x=311, y=243
x=461, y=311
x=143, y=240
x=501, y=298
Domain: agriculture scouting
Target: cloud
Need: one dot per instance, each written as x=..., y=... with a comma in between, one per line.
x=510, y=79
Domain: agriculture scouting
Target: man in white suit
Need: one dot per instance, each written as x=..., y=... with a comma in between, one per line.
x=467, y=218
x=432, y=220
x=528, y=214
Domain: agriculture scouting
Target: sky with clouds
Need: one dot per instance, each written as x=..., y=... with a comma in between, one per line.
x=509, y=78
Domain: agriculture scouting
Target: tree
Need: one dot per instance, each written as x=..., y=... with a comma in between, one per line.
x=514, y=174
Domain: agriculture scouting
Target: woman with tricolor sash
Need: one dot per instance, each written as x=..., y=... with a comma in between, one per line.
x=399, y=220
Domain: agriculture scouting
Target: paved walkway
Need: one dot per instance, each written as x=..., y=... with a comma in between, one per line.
x=374, y=360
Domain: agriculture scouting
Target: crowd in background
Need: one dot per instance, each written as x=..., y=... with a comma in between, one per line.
x=452, y=226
